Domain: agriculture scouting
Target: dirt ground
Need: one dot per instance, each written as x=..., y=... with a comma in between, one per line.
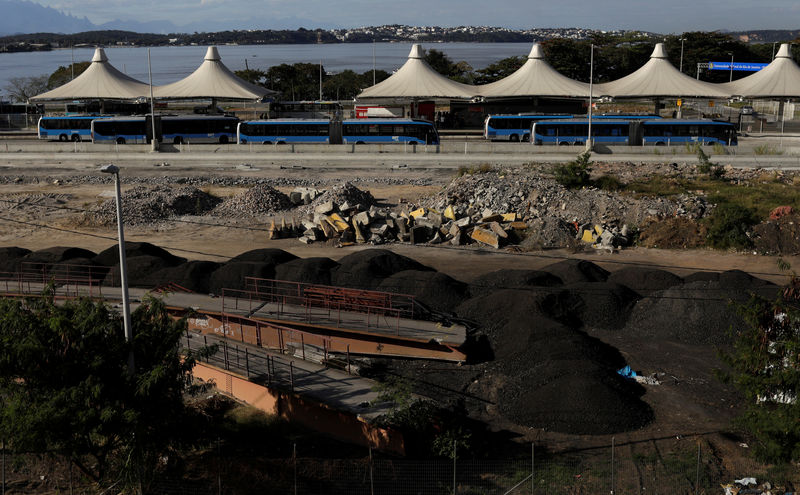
x=689, y=403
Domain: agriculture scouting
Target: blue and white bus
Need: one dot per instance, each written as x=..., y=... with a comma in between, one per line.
x=352, y=131
x=378, y=131
x=283, y=131
x=171, y=129
x=68, y=128
x=656, y=132
x=517, y=128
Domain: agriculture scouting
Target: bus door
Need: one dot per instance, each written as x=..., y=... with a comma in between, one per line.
x=635, y=133
x=148, y=121
x=335, y=132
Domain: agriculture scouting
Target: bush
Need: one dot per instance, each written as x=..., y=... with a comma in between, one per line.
x=608, y=183
x=706, y=166
x=575, y=174
x=728, y=227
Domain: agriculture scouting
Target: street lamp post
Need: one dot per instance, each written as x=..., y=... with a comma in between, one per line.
x=731, y=78
x=123, y=264
x=591, y=76
x=680, y=67
x=773, y=49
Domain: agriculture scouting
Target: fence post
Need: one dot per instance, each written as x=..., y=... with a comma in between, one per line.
x=205, y=344
x=533, y=466
x=612, y=465
x=348, y=360
x=247, y=361
x=294, y=458
x=225, y=353
x=371, y=479
x=454, y=466
x=291, y=374
x=697, y=477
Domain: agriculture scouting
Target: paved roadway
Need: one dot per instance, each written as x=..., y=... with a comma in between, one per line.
x=246, y=162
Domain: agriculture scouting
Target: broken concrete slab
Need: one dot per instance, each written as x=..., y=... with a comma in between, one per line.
x=486, y=237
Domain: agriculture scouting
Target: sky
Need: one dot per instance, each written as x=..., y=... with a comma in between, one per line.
x=675, y=16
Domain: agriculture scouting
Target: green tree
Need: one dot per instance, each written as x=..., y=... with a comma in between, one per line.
x=63, y=74
x=21, y=89
x=253, y=76
x=65, y=387
x=296, y=81
x=441, y=63
x=575, y=174
x=498, y=70
x=765, y=367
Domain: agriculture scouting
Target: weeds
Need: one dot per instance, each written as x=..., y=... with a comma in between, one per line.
x=575, y=174
x=766, y=149
x=483, y=168
x=706, y=166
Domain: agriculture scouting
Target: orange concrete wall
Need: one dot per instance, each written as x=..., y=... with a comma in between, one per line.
x=316, y=416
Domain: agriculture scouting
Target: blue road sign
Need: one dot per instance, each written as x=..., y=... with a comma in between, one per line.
x=745, y=66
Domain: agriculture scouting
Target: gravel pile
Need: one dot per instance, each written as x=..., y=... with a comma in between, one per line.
x=339, y=194
x=261, y=199
x=532, y=197
x=143, y=205
x=214, y=180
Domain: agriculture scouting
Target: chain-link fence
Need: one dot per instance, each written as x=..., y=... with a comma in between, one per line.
x=18, y=121
x=689, y=471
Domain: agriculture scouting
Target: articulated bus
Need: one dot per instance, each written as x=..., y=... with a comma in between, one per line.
x=353, y=131
x=70, y=128
x=517, y=128
x=657, y=132
x=170, y=129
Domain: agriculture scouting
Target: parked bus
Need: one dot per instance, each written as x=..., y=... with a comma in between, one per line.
x=354, y=131
x=517, y=127
x=658, y=132
x=171, y=129
x=373, y=131
x=69, y=128
x=283, y=131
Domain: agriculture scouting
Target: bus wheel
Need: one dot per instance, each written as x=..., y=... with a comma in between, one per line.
x=267, y=142
x=120, y=140
x=513, y=138
x=76, y=138
x=526, y=138
x=661, y=143
x=281, y=142
x=223, y=140
x=177, y=140
x=563, y=143
x=62, y=137
x=359, y=142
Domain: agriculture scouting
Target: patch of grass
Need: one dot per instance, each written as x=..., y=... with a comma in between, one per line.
x=765, y=149
x=719, y=149
x=575, y=174
x=483, y=168
x=608, y=183
x=728, y=226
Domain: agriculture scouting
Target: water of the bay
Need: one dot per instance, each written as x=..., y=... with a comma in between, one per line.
x=171, y=63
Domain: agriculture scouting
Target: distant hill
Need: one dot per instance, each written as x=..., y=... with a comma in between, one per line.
x=766, y=36
x=20, y=16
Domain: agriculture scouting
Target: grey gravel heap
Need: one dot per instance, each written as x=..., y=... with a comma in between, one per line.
x=143, y=205
x=261, y=199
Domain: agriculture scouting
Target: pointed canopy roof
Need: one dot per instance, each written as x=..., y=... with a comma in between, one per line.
x=658, y=77
x=212, y=80
x=417, y=79
x=535, y=78
x=780, y=79
x=99, y=81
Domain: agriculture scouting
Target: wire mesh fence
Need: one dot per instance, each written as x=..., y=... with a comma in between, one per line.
x=686, y=472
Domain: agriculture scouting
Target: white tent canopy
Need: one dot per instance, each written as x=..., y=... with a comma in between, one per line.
x=659, y=78
x=212, y=80
x=417, y=79
x=535, y=78
x=780, y=79
x=99, y=81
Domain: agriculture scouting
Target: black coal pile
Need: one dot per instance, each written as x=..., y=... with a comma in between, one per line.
x=644, y=280
x=10, y=257
x=697, y=312
x=110, y=256
x=194, y=276
x=434, y=290
x=232, y=274
x=58, y=254
x=366, y=269
x=307, y=270
x=549, y=375
x=143, y=271
x=266, y=255
x=575, y=271
x=512, y=279
x=142, y=205
x=604, y=305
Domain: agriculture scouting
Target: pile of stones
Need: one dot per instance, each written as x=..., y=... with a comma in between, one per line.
x=261, y=199
x=142, y=205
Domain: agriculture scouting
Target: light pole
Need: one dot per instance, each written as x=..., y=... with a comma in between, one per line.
x=773, y=49
x=591, y=76
x=731, y=78
x=123, y=265
x=680, y=67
